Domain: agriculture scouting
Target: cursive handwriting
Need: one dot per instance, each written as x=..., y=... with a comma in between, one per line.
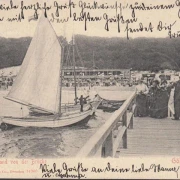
x=142, y=7
x=159, y=168
x=126, y=16
x=110, y=168
x=64, y=171
x=35, y=7
x=79, y=171
x=71, y=5
x=11, y=6
x=155, y=168
x=141, y=28
x=119, y=19
x=85, y=17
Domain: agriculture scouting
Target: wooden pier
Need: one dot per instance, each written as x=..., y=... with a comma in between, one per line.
x=153, y=137
x=126, y=135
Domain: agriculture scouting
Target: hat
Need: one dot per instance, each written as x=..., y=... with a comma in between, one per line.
x=164, y=82
x=156, y=81
x=140, y=79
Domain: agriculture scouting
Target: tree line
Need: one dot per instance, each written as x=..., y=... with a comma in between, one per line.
x=138, y=54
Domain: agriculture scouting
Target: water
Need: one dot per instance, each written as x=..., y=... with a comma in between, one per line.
x=31, y=142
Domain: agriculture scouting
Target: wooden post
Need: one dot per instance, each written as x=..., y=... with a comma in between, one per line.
x=124, y=138
x=107, y=147
x=131, y=123
x=130, y=110
x=130, y=107
x=135, y=110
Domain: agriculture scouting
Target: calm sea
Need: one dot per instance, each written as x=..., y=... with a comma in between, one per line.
x=31, y=142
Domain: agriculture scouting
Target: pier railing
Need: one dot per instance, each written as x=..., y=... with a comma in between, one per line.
x=112, y=136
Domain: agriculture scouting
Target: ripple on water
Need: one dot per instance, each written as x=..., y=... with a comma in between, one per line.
x=32, y=142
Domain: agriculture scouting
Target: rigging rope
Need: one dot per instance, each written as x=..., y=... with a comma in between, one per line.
x=82, y=62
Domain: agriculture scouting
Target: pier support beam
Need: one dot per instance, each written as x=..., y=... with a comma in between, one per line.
x=124, y=138
x=107, y=147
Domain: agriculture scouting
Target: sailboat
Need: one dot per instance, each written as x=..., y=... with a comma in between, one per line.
x=39, y=85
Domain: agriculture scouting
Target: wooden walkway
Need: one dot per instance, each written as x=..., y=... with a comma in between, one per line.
x=126, y=135
x=153, y=137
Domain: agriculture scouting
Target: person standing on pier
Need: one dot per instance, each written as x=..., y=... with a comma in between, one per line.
x=162, y=100
x=154, y=92
x=141, y=99
x=177, y=100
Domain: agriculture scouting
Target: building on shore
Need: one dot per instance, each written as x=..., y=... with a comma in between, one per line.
x=84, y=76
x=97, y=76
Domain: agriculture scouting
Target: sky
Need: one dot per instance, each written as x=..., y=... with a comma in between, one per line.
x=145, y=18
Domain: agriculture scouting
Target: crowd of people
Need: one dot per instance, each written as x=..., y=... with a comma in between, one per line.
x=5, y=82
x=153, y=100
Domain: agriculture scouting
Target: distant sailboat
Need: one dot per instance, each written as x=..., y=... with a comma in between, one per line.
x=39, y=84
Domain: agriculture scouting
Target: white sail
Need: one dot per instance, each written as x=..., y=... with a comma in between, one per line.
x=38, y=82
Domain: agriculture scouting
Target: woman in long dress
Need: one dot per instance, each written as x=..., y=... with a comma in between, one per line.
x=162, y=101
x=154, y=92
x=141, y=99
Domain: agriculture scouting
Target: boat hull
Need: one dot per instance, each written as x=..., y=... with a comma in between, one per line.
x=52, y=121
x=110, y=106
x=67, y=108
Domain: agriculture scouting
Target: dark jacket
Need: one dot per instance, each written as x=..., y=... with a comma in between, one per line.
x=177, y=90
x=81, y=100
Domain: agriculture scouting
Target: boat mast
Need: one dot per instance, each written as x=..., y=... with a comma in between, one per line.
x=60, y=75
x=75, y=90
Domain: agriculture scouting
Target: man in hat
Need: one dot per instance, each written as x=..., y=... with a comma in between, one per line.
x=177, y=100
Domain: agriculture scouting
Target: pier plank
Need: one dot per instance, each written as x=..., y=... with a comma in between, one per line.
x=153, y=137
